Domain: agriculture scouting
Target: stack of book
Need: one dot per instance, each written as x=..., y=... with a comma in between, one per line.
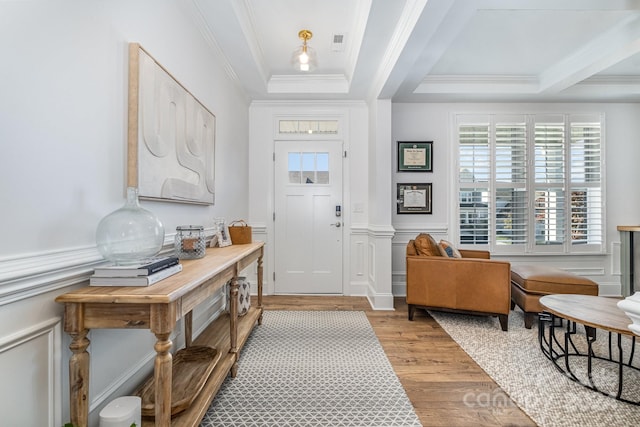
x=144, y=274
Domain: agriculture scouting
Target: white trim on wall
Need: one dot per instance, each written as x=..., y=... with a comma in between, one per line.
x=27, y=276
x=50, y=378
x=37, y=273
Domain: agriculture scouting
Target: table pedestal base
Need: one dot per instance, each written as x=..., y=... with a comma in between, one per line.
x=604, y=373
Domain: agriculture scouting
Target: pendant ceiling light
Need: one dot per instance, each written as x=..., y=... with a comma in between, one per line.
x=304, y=57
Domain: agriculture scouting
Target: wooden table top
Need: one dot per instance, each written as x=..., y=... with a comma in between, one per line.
x=589, y=310
x=629, y=228
x=195, y=272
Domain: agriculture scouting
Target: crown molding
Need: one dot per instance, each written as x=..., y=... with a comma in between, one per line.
x=477, y=84
x=201, y=24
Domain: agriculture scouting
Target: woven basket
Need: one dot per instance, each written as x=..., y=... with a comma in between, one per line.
x=240, y=233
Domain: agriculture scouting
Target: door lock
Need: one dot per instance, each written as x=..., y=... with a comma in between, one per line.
x=337, y=224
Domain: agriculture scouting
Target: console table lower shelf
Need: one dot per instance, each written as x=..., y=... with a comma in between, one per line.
x=216, y=336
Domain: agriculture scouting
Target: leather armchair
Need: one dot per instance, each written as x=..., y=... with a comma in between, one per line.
x=473, y=284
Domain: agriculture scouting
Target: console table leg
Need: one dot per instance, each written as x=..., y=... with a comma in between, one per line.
x=188, y=329
x=233, y=325
x=260, y=278
x=79, y=378
x=79, y=363
x=163, y=379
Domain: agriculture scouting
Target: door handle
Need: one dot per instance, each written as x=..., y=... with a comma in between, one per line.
x=337, y=224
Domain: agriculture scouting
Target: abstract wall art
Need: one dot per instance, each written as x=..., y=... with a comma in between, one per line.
x=171, y=136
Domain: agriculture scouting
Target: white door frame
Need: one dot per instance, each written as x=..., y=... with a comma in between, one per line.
x=341, y=115
x=317, y=275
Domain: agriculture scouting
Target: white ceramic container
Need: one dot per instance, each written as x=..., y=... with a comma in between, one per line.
x=122, y=412
x=631, y=306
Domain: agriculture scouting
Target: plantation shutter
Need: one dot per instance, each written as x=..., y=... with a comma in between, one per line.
x=549, y=182
x=586, y=177
x=511, y=183
x=473, y=181
x=531, y=183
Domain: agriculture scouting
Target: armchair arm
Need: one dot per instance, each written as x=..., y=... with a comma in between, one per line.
x=471, y=284
x=474, y=253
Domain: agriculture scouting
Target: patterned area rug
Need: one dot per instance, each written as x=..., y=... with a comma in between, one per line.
x=312, y=368
x=515, y=362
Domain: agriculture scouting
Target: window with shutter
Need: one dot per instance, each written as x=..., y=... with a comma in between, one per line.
x=585, y=184
x=474, y=175
x=511, y=183
x=549, y=181
x=530, y=183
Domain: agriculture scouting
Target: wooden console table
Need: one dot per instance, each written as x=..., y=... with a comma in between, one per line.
x=158, y=308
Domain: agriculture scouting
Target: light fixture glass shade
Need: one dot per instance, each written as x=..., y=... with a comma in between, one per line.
x=304, y=58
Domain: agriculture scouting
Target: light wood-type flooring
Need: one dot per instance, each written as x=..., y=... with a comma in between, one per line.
x=445, y=386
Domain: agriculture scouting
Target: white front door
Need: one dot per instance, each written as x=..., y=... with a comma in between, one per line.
x=308, y=231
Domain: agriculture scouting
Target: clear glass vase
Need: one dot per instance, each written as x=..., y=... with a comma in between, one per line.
x=130, y=234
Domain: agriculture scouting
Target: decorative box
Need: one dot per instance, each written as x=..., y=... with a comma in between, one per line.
x=190, y=241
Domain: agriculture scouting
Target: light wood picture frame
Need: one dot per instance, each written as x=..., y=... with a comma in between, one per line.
x=224, y=238
x=171, y=136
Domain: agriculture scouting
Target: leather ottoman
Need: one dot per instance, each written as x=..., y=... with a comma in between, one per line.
x=530, y=282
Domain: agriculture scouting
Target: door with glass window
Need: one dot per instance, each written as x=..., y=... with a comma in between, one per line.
x=308, y=217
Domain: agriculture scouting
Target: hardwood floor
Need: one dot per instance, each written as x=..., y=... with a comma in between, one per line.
x=445, y=386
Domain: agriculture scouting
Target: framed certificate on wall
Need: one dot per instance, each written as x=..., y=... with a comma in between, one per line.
x=415, y=156
x=414, y=198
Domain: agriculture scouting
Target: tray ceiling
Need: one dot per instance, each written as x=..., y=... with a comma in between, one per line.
x=431, y=51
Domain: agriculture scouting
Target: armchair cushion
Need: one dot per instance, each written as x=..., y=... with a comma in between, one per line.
x=449, y=249
x=426, y=245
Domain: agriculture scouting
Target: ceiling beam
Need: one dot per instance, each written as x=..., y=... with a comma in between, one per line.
x=570, y=5
x=411, y=15
x=436, y=27
x=613, y=46
x=477, y=84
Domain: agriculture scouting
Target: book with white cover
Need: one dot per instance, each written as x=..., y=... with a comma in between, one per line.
x=146, y=268
x=135, y=281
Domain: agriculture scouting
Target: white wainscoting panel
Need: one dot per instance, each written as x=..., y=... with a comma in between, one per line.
x=359, y=266
x=616, y=249
x=31, y=377
x=372, y=262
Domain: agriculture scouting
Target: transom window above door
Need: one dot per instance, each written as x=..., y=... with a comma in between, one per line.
x=308, y=127
x=308, y=167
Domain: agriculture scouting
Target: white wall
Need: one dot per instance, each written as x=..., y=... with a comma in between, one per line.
x=432, y=122
x=63, y=130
